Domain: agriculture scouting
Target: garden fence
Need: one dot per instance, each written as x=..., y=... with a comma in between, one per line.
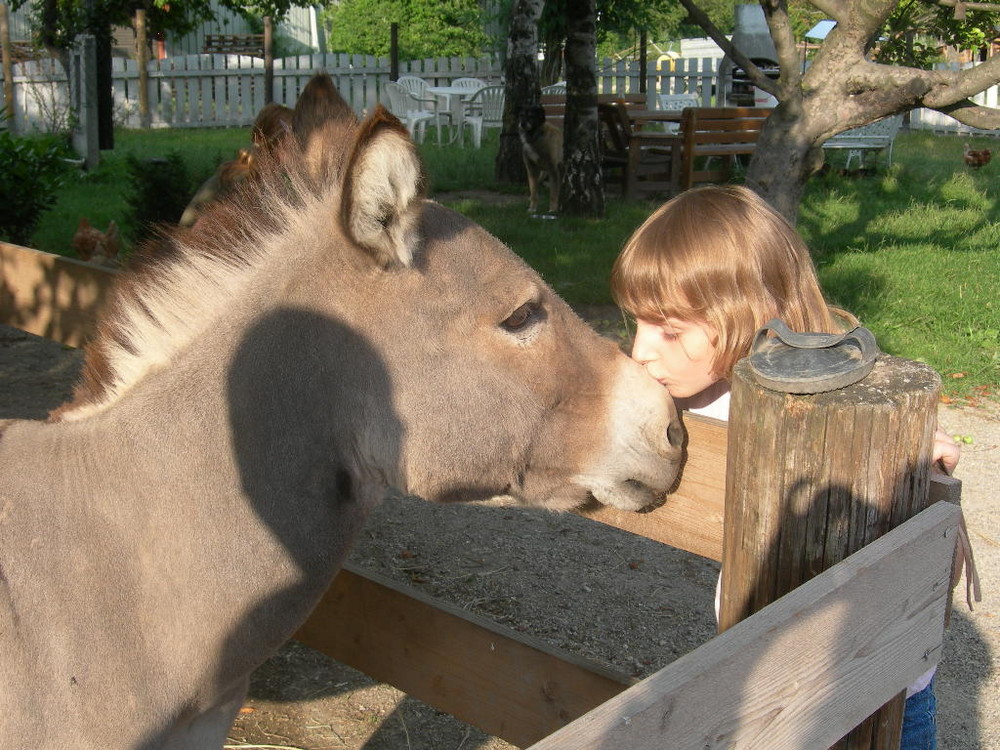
x=214, y=90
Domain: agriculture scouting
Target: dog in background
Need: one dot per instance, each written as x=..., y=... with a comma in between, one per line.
x=542, y=149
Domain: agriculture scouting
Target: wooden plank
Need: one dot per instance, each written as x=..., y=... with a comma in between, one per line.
x=505, y=684
x=50, y=295
x=802, y=671
x=691, y=517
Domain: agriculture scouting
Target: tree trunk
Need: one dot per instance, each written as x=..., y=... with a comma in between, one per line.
x=105, y=86
x=785, y=158
x=142, y=61
x=48, y=34
x=8, y=67
x=582, y=189
x=268, y=60
x=520, y=88
x=552, y=65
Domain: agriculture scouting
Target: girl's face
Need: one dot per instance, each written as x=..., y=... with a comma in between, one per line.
x=678, y=353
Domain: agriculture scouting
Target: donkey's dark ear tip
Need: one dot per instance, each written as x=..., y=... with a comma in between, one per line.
x=382, y=115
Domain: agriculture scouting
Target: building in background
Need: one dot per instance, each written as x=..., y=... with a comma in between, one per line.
x=299, y=33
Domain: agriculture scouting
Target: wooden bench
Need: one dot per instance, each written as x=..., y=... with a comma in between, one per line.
x=873, y=137
x=702, y=149
x=710, y=139
x=555, y=104
x=234, y=44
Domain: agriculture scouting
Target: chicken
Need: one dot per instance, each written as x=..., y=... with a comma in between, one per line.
x=95, y=246
x=976, y=158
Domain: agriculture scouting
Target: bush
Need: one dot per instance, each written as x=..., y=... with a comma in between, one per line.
x=31, y=172
x=160, y=191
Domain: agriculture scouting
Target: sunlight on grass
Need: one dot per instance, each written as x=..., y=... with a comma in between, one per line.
x=914, y=251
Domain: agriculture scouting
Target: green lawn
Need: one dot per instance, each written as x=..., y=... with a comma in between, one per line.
x=912, y=251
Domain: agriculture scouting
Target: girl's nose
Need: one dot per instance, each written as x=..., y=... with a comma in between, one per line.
x=642, y=351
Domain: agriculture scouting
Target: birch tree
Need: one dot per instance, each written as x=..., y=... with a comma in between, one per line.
x=521, y=86
x=582, y=188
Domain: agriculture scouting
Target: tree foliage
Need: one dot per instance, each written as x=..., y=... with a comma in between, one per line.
x=426, y=29
x=917, y=29
x=58, y=22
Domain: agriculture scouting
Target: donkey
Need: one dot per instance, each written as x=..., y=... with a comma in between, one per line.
x=325, y=336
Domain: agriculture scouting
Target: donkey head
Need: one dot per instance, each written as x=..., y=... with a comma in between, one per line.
x=498, y=387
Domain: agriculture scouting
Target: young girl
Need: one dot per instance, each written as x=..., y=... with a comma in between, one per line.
x=701, y=276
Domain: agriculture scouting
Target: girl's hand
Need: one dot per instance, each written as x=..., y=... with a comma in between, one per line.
x=945, y=453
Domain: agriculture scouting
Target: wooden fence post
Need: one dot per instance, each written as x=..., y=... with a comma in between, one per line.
x=393, y=51
x=811, y=479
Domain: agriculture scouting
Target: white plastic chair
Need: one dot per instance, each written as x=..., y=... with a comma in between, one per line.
x=417, y=87
x=469, y=83
x=559, y=87
x=485, y=109
x=402, y=103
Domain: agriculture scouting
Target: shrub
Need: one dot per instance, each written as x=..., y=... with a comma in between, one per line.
x=31, y=172
x=160, y=191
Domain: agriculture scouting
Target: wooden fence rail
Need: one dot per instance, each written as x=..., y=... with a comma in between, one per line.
x=801, y=672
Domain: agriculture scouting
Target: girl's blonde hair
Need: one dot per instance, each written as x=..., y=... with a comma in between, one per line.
x=721, y=255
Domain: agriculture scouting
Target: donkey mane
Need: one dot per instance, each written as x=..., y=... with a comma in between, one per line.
x=178, y=283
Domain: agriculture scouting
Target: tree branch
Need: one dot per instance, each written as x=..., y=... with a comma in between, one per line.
x=754, y=73
x=971, y=114
x=783, y=36
x=835, y=9
x=950, y=86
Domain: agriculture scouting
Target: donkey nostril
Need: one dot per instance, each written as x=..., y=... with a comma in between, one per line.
x=675, y=434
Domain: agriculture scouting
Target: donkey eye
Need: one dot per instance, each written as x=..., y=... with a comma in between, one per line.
x=522, y=317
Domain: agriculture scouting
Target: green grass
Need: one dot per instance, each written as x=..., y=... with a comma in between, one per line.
x=913, y=251
x=100, y=195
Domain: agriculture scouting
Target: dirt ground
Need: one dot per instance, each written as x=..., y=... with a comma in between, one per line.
x=616, y=599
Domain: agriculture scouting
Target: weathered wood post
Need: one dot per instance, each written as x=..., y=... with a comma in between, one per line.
x=813, y=478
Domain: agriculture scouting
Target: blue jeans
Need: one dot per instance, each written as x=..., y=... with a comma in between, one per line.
x=920, y=721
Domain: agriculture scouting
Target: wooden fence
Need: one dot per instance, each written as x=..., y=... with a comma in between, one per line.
x=801, y=672
x=218, y=90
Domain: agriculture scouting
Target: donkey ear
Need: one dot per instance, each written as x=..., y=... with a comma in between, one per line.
x=383, y=191
x=318, y=104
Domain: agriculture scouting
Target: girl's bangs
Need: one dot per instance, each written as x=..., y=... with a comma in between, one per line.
x=644, y=287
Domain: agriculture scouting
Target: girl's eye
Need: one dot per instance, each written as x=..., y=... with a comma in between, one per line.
x=668, y=335
x=521, y=318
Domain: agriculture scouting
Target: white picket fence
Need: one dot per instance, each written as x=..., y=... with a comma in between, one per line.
x=227, y=90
